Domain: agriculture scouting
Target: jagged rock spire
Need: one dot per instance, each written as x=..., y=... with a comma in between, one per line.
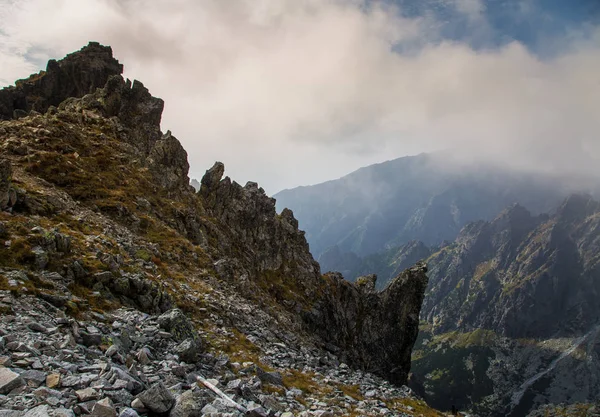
x=76, y=75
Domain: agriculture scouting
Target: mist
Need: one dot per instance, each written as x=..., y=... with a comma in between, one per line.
x=289, y=92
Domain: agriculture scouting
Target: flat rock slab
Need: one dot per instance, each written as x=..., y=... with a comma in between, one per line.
x=9, y=380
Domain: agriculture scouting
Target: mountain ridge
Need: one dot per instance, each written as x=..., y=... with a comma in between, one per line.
x=100, y=225
x=425, y=198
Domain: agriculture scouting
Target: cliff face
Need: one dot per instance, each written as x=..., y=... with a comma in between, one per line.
x=96, y=209
x=374, y=330
x=369, y=327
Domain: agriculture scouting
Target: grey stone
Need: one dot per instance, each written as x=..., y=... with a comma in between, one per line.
x=128, y=412
x=39, y=411
x=87, y=394
x=9, y=380
x=91, y=339
x=111, y=351
x=37, y=327
x=157, y=398
x=121, y=396
x=138, y=405
x=188, y=350
x=104, y=408
x=209, y=409
x=11, y=413
x=189, y=404
x=274, y=378
x=63, y=412
x=34, y=378
x=175, y=322
x=41, y=257
x=256, y=411
x=142, y=356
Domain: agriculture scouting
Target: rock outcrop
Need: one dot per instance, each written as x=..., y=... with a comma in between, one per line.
x=76, y=75
x=8, y=195
x=370, y=328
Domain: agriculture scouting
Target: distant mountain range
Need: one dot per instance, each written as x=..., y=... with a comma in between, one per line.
x=419, y=198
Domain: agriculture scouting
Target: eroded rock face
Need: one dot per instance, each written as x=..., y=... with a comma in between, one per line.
x=371, y=330
x=374, y=330
x=274, y=240
x=139, y=115
x=77, y=74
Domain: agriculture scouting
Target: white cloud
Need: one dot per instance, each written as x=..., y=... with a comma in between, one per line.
x=290, y=92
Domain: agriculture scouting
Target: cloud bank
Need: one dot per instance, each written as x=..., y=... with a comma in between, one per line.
x=290, y=92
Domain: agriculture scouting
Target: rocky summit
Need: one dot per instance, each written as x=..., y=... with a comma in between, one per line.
x=125, y=291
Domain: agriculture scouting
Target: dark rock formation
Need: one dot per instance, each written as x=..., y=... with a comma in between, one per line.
x=274, y=241
x=374, y=330
x=8, y=195
x=139, y=115
x=78, y=74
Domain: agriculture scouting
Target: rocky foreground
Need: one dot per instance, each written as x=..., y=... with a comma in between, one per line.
x=130, y=363
x=124, y=291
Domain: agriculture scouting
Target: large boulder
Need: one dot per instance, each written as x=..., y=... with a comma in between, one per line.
x=9, y=380
x=190, y=404
x=157, y=399
x=188, y=350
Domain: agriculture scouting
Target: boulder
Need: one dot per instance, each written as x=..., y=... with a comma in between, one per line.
x=188, y=350
x=39, y=411
x=189, y=404
x=157, y=398
x=177, y=323
x=9, y=380
x=104, y=408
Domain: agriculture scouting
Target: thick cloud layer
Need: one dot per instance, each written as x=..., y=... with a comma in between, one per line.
x=290, y=92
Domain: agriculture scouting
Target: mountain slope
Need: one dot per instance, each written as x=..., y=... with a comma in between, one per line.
x=121, y=284
x=413, y=198
x=511, y=313
x=510, y=318
x=521, y=275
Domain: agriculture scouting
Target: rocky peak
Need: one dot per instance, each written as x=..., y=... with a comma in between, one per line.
x=138, y=114
x=371, y=330
x=76, y=75
x=577, y=207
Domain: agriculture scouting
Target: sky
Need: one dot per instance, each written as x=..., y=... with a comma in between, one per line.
x=296, y=92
